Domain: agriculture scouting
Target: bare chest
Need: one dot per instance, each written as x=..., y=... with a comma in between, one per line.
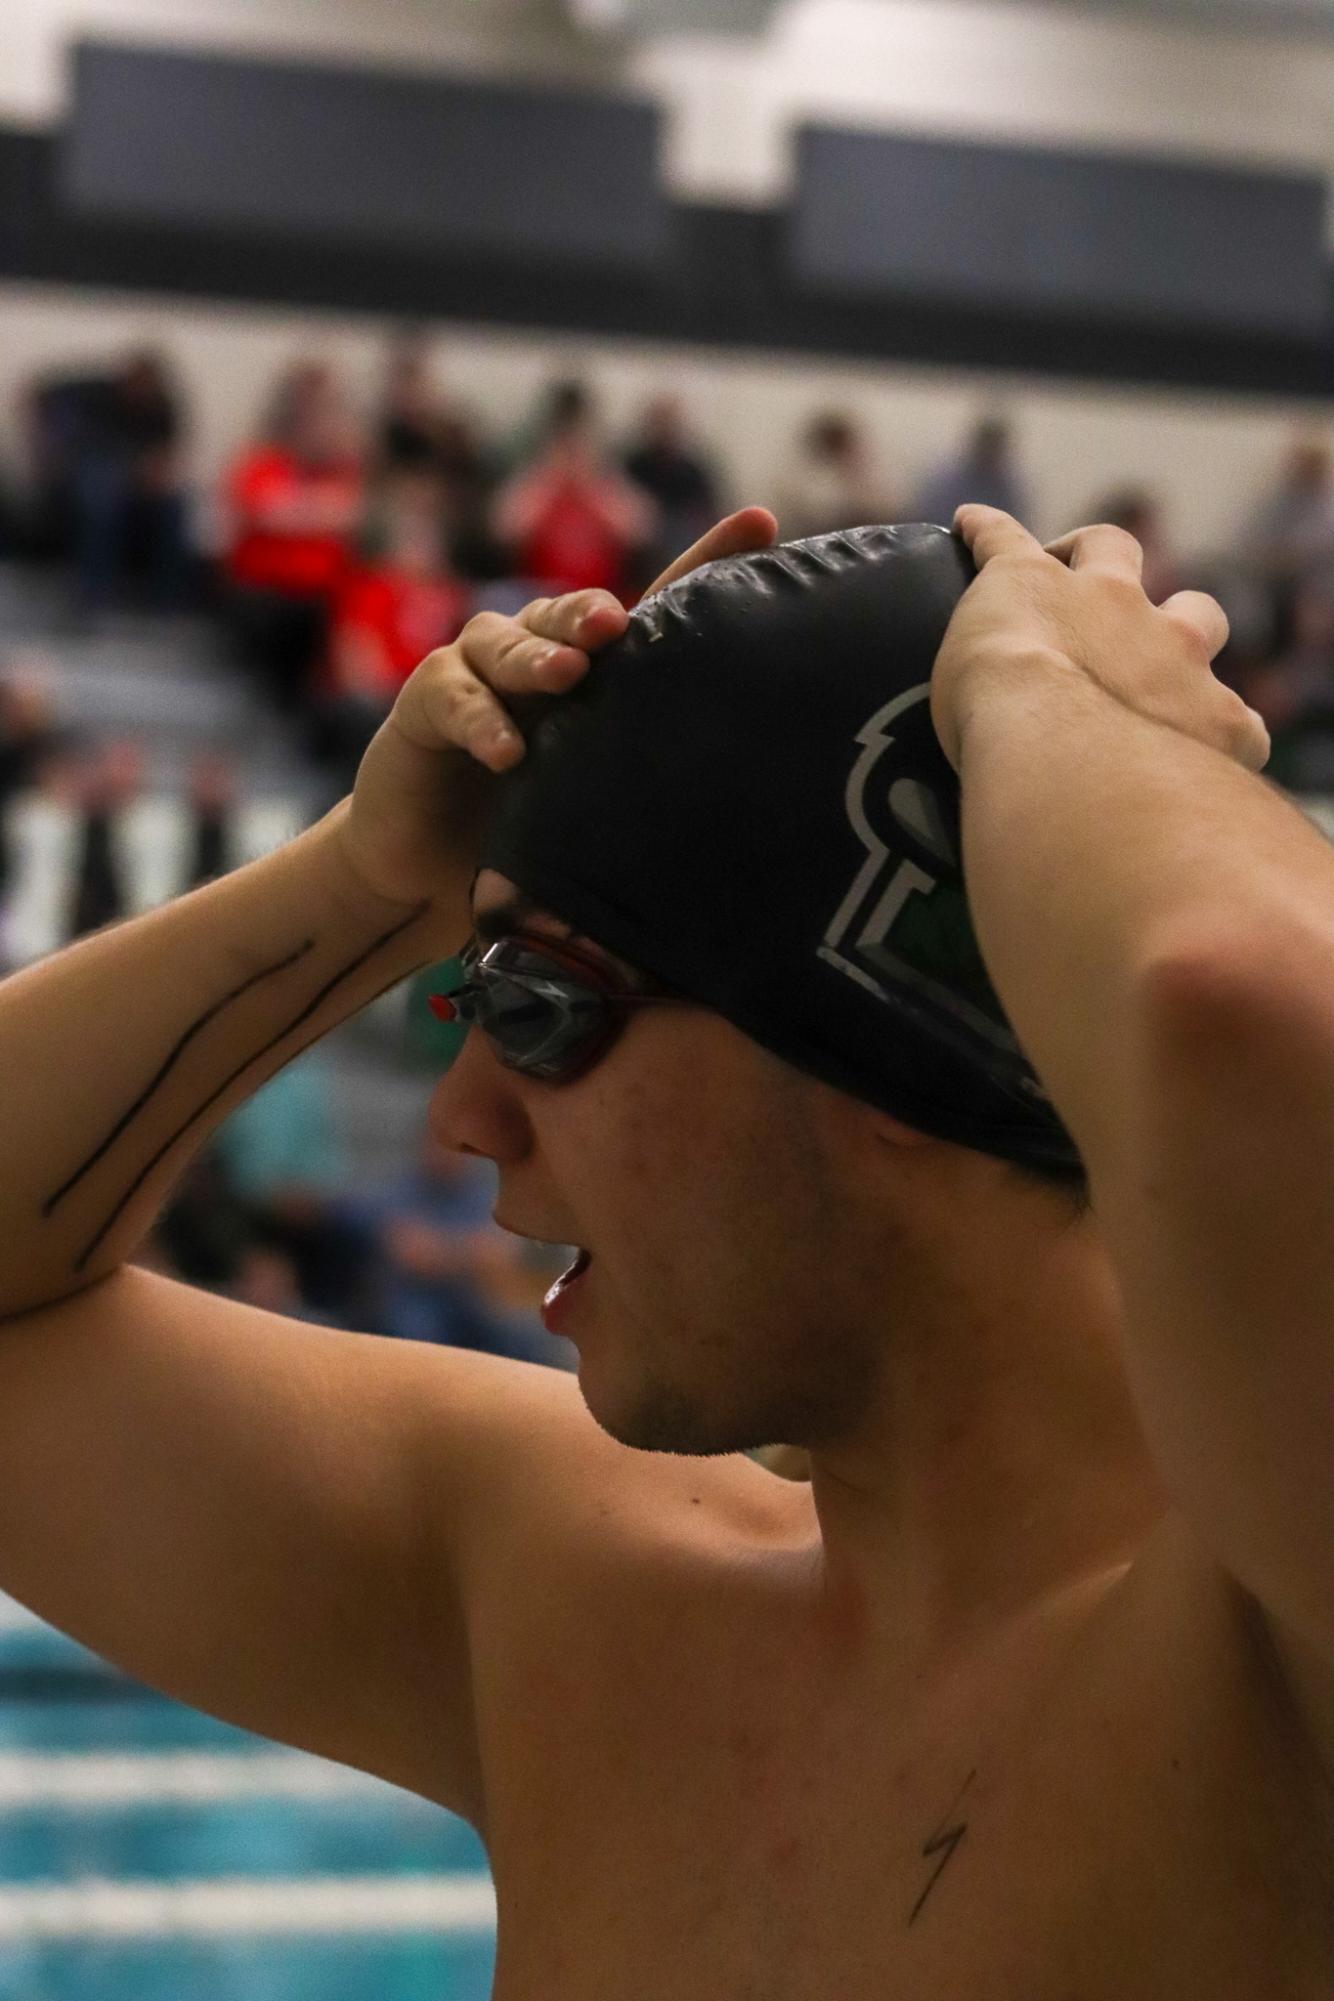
x=695, y=1824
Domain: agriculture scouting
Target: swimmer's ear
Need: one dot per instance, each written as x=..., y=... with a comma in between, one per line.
x=751, y=528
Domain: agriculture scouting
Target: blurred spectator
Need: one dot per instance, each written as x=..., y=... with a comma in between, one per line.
x=413, y=414
x=422, y=431
x=419, y=429
x=295, y=500
x=984, y=474
x=267, y=1278
x=30, y=736
x=153, y=1255
x=129, y=501
x=390, y=609
x=675, y=474
x=447, y=1272
x=50, y=414
x=1135, y=509
x=211, y=799
x=1290, y=534
x=38, y=825
x=106, y=480
x=1295, y=694
x=102, y=888
x=570, y=519
x=202, y=1232
x=286, y=1162
x=830, y=482
x=1246, y=606
x=30, y=729
x=11, y=513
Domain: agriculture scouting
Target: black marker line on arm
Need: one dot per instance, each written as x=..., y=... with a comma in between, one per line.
x=312, y=1007
x=265, y=973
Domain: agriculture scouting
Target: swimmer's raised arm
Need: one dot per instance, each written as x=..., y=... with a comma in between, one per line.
x=282, y=1525
x=123, y=1052
x=1158, y=922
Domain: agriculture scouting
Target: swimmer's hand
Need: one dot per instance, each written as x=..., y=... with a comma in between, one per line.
x=414, y=824
x=1079, y=606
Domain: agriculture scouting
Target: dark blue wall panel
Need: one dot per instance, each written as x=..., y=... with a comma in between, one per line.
x=1133, y=241
x=363, y=156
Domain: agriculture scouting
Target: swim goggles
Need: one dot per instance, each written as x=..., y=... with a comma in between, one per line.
x=547, y=1009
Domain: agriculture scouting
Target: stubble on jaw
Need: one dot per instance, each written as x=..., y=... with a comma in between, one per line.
x=766, y=1333
x=776, y=1366
x=812, y=1407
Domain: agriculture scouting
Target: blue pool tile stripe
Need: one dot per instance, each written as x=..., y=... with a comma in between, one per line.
x=239, y=1969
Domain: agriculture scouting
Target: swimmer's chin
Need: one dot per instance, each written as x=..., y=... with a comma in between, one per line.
x=665, y=1420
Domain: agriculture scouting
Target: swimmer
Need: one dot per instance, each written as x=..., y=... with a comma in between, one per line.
x=1011, y=1214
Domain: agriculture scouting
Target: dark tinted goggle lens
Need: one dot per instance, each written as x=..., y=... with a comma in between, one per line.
x=540, y=1019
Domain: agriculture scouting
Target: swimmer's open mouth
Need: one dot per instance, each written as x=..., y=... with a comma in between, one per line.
x=560, y=1291
x=583, y=1259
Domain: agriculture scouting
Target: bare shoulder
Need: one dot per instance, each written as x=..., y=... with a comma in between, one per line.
x=403, y=1493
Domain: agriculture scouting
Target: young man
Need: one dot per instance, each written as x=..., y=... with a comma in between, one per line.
x=1030, y=1693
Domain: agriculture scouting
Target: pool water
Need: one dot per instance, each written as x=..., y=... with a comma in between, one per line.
x=149, y=1853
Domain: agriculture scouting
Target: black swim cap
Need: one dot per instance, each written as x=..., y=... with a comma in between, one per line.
x=745, y=796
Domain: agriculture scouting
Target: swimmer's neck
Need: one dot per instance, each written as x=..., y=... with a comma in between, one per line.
x=1000, y=1465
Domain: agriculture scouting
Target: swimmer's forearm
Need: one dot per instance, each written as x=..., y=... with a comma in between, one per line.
x=121, y=1053
x=1099, y=847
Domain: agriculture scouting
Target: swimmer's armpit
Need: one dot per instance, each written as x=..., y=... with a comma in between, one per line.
x=146, y=1096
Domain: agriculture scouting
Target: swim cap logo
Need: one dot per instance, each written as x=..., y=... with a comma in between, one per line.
x=903, y=930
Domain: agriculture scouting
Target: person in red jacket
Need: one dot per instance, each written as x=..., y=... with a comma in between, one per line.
x=392, y=605
x=570, y=519
x=294, y=499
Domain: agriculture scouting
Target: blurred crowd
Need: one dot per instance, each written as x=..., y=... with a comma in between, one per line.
x=344, y=543
x=340, y=547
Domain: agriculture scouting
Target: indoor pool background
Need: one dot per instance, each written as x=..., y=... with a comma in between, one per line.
x=148, y=1853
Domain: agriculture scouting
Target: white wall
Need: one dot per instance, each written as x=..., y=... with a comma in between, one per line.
x=1207, y=456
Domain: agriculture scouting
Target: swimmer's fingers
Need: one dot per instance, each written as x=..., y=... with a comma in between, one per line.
x=1102, y=546
x=545, y=649
x=1202, y=618
x=989, y=532
x=1238, y=730
x=459, y=693
x=1199, y=624
x=579, y=622
x=1094, y=615
x=749, y=529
